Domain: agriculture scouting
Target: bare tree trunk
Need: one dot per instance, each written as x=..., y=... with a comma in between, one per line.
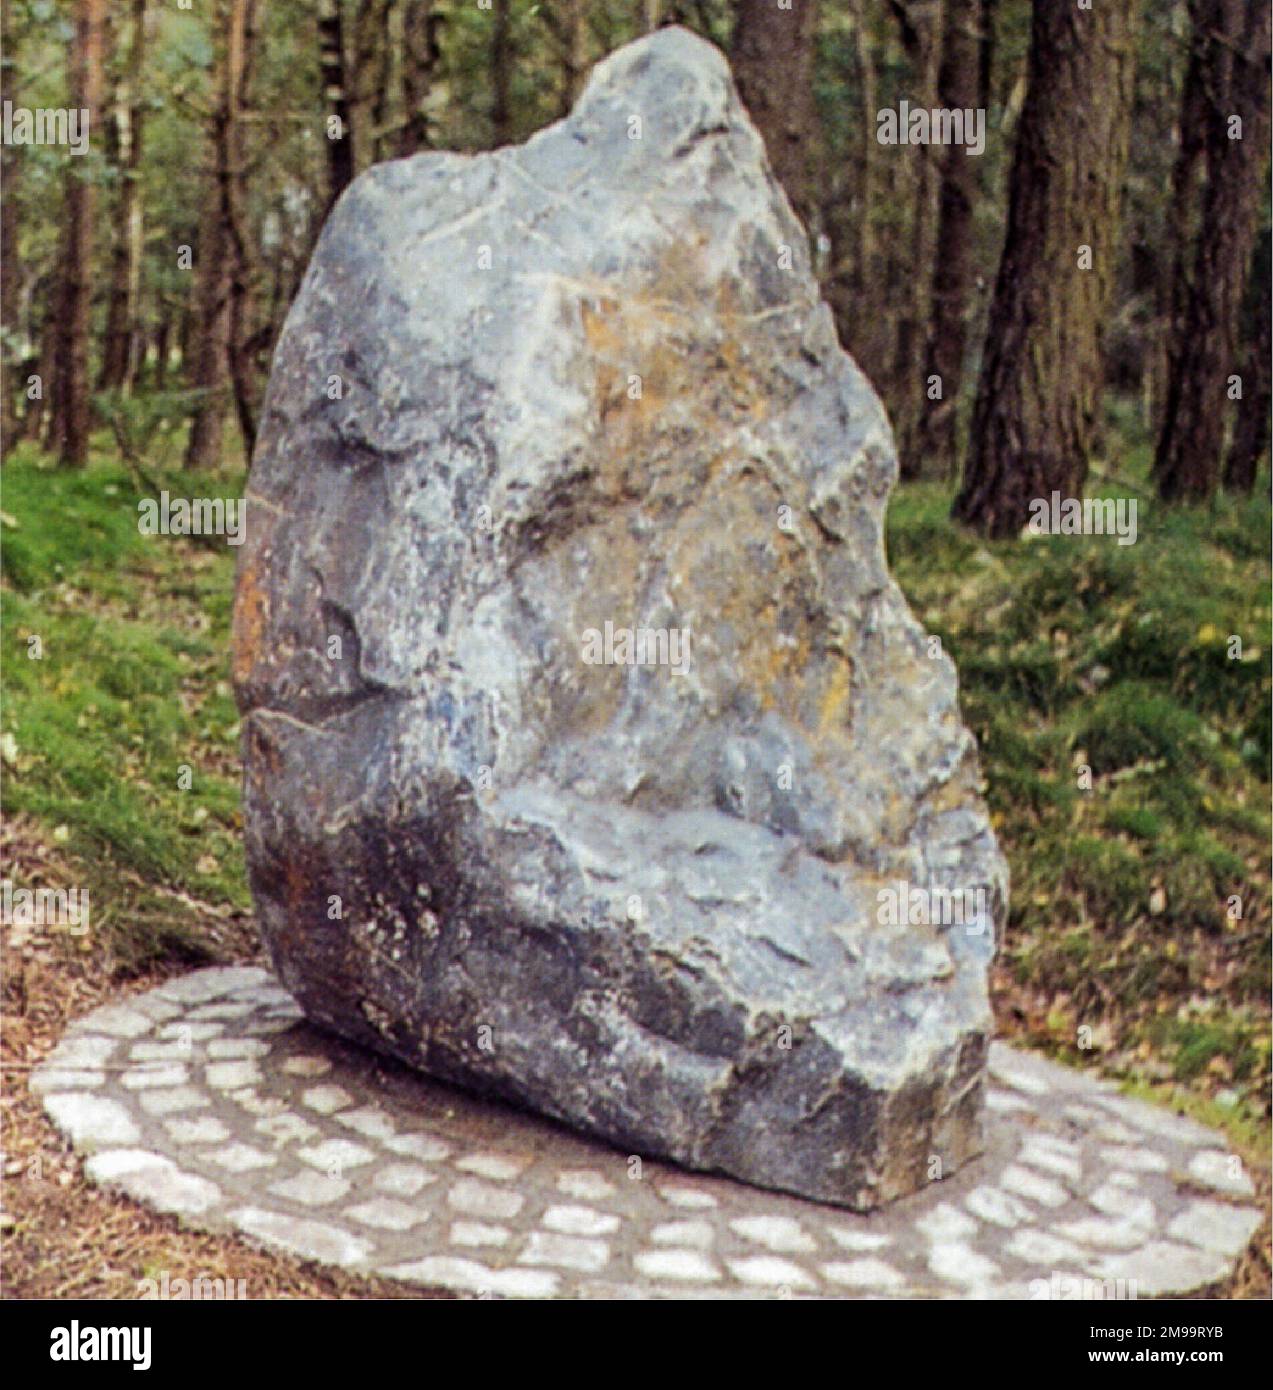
x=921, y=34
x=1182, y=211
x=986, y=56
x=218, y=293
x=9, y=277
x=772, y=54
x=1191, y=442
x=387, y=91
x=577, y=52
x=233, y=184
x=339, y=132
x=1042, y=373
x=163, y=337
x=207, y=366
x=71, y=404
x=1251, y=429
x=421, y=52
x=185, y=335
x=867, y=345
x=936, y=446
x=121, y=325
x=364, y=87
x=501, y=76
x=37, y=423
x=856, y=282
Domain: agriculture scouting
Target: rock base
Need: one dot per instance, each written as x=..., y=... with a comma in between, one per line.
x=210, y=1098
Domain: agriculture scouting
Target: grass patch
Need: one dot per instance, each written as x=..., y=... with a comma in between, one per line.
x=119, y=728
x=1121, y=699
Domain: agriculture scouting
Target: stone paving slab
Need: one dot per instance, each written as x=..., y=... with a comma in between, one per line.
x=210, y=1098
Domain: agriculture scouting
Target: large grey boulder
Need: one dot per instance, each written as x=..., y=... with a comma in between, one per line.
x=586, y=381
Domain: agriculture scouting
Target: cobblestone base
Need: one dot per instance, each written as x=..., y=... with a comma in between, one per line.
x=208, y=1097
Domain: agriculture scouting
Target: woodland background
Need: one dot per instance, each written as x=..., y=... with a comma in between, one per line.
x=1108, y=127
x=1120, y=695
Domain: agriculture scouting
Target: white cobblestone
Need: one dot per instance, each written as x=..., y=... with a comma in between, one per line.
x=1024, y=1182
x=306, y=1066
x=781, y=1234
x=680, y=1195
x=699, y=1235
x=565, y=1252
x=403, y=1179
x=312, y=1189
x=579, y=1221
x=231, y=1076
x=335, y=1155
x=771, y=1272
x=202, y=1129
x=242, y=1158
x=311, y=1240
x=687, y=1266
x=496, y=1167
x=471, y=1233
x=1214, y=1226
x=584, y=1185
x=387, y=1214
x=422, y=1146
x=476, y=1198
x=327, y=1099
x=92, y=1121
x=173, y=1099
x=864, y=1274
x=1222, y=1171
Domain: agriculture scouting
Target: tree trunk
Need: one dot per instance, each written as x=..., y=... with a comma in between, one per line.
x=936, y=447
x=501, y=76
x=71, y=404
x=121, y=322
x=1182, y=210
x=339, y=132
x=1041, y=376
x=218, y=294
x=37, y=422
x=163, y=336
x=234, y=203
x=1251, y=429
x=772, y=55
x=921, y=32
x=863, y=315
x=986, y=57
x=9, y=277
x=421, y=52
x=567, y=24
x=1191, y=442
x=365, y=93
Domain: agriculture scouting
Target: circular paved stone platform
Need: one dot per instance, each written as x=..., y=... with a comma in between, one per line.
x=208, y=1097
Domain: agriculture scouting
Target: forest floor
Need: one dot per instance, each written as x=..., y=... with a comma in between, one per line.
x=1138, y=941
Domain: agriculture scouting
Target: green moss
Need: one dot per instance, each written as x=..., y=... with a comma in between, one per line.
x=1139, y=821
x=1074, y=654
x=127, y=684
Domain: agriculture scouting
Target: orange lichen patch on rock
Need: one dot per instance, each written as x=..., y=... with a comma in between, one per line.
x=640, y=367
x=956, y=791
x=752, y=591
x=835, y=695
x=251, y=613
x=297, y=887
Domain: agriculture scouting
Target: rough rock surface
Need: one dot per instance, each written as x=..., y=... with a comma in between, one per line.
x=522, y=395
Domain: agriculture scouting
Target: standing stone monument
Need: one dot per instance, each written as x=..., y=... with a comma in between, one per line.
x=593, y=759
